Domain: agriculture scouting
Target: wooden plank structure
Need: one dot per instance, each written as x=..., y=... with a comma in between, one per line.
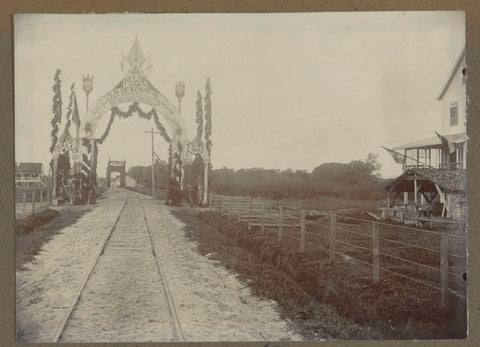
x=424, y=188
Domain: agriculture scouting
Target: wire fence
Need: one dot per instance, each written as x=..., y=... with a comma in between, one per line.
x=436, y=259
x=31, y=201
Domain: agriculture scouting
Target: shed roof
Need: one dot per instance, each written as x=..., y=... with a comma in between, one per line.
x=448, y=180
x=28, y=167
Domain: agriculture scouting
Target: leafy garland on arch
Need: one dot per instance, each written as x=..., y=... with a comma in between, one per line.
x=134, y=108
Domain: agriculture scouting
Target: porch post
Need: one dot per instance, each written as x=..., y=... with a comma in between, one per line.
x=415, y=194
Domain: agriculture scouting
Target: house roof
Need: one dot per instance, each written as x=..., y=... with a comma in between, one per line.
x=452, y=73
x=434, y=141
x=28, y=167
x=447, y=180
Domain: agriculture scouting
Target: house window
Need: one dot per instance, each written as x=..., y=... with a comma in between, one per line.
x=18, y=176
x=453, y=114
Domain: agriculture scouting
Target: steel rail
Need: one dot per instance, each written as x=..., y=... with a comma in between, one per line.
x=171, y=304
x=69, y=312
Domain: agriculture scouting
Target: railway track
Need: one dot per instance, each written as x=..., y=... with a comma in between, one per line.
x=125, y=294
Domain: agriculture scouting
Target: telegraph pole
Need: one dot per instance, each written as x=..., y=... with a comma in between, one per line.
x=153, y=169
x=153, y=163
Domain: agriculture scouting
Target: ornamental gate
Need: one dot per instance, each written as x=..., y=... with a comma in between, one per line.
x=135, y=89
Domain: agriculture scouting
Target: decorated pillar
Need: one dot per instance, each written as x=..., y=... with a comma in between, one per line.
x=92, y=154
x=182, y=179
x=205, y=181
x=54, y=192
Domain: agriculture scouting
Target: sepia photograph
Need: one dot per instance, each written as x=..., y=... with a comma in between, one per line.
x=240, y=177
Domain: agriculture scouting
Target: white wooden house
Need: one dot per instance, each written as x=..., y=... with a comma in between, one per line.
x=28, y=174
x=434, y=168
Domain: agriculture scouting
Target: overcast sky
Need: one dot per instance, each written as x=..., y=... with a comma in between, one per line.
x=289, y=90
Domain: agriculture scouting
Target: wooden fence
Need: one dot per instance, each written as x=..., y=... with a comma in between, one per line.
x=383, y=247
x=31, y=201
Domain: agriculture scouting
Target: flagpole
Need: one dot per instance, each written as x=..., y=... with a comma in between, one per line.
x=406, y=156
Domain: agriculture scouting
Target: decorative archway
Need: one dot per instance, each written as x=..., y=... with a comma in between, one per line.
x=135, y=88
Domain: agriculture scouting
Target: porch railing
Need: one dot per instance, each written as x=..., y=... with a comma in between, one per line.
x=443, y=166
x=451, y=166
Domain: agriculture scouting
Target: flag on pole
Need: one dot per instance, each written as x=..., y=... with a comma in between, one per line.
x=448, y=146
x=75, y=114
x=398, y=157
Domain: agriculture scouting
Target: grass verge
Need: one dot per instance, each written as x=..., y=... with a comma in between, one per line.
x=34, y=231
x=309, y=317
x=325, y=301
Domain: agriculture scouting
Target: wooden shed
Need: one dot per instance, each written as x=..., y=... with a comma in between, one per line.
x=422, y=189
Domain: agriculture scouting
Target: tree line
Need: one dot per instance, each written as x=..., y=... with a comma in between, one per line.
x=358, y=179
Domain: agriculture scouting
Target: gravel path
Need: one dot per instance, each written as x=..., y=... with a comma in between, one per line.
x=48, y=286
x=124, y=299
x=211, y=303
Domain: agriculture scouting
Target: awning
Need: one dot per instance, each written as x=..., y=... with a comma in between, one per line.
x=434, y=142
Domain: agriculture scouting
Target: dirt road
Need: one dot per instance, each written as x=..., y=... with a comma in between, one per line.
x=125, y=297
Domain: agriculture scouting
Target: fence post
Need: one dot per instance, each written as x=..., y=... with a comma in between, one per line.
x=33, y=202
x=210, y=203
x=48, y=197
x=444, y=267
x=24, y=202
x=280, y=223
x=240, y=206
x=333, y=226
x=221, y=205
x=41, y=198
x=302, y=230
x=250, y=214
x=376, y=253
x=431, y=220
x=263, y=218
x=401, y=216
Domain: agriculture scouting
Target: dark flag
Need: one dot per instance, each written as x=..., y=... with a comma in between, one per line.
x=448, y=146
x=398, y=157
x=75, y=114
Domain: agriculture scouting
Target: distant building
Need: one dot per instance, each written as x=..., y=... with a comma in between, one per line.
x=28, y=174
x=434, y=168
